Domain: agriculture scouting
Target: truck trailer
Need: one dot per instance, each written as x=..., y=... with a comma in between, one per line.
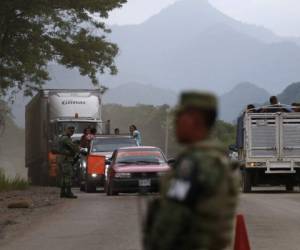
x=47, y=116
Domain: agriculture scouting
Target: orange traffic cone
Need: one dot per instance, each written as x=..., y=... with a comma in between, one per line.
x=241, y=241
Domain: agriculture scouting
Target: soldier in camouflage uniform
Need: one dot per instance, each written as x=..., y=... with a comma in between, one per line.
x=68, y=151
x=196, y=209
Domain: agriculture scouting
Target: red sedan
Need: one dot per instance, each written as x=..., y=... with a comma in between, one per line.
x=135, y=169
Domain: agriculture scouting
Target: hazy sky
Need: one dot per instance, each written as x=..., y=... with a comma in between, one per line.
x=281, y=16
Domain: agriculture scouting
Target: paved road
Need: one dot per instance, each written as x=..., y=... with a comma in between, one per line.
x=273, y=219
x=95, y=221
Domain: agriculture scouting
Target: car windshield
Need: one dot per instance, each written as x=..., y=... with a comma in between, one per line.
x=148, y=156
x=111, y=144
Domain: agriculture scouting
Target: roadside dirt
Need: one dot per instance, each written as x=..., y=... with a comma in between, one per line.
x=14, y=221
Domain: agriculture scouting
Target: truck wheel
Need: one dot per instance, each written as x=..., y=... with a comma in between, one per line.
x=90, y=187
x=289, y=187
x=246, y=181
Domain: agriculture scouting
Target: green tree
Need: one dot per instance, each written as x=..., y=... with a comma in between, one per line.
x=69, y=32
x=151, y=121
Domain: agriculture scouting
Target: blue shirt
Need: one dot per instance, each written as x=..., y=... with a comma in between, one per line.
x=137, y=136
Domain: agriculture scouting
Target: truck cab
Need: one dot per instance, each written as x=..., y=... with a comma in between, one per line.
x=47, y=115
x=93, y=167
x=269, y=147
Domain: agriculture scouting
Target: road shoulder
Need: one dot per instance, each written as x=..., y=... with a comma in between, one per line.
x=14, y=222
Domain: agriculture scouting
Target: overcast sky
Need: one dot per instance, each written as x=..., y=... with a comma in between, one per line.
x=281, y=16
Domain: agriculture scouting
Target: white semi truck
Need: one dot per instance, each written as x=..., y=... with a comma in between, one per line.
x=47, y=116
x=269, y=149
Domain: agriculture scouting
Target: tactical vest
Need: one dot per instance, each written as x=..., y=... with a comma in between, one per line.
x=205, y=219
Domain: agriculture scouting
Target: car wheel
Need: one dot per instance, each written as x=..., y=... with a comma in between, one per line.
x=82, y=187
x=90, y=187
x=110, y=191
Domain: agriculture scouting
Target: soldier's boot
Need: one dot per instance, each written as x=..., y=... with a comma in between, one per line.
x=63, y=193
x=69, y=194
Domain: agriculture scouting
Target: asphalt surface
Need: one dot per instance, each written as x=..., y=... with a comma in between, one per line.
x=96, y=221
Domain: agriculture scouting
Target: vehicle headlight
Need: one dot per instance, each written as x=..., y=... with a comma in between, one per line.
x=256, y=164
x=122, y=175
x=94, y=175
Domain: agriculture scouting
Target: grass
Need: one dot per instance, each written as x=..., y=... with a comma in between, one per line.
x=16, y=183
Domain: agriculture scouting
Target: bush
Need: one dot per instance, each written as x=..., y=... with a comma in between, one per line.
x=16, y=183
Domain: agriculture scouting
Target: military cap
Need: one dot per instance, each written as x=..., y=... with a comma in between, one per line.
x=194, y=99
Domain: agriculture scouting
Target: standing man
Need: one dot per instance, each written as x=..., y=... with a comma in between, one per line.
x=199, y=196
x=136, y=134
x=86, y=138
x=68, y=151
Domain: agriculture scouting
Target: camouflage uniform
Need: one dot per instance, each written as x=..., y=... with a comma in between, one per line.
x=197, y=206
x=68, y=151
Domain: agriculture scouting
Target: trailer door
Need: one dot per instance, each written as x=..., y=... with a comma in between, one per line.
x=290, y=135
x=262, y=140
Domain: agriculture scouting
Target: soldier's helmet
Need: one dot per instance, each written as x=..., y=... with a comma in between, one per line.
x=199, y=100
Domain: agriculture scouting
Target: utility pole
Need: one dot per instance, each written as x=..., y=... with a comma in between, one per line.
x=167, y=133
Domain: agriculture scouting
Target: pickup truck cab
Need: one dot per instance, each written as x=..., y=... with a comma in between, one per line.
x=93, y=168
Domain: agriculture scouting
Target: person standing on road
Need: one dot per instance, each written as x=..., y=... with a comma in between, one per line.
x=198, y=200
x=85, y=139
x=68, y=150
x=136, y=134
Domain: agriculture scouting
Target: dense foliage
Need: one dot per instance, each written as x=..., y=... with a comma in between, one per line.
x=151, y=121
x=69, y=32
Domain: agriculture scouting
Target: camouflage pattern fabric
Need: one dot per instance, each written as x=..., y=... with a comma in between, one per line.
x=68, y=151
x=198, y=202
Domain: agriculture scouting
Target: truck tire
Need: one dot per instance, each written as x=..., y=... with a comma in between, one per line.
x=289, y=187
x=246, y=181
x=90, y=187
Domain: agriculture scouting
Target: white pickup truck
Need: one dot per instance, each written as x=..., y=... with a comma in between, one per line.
x=269, y=149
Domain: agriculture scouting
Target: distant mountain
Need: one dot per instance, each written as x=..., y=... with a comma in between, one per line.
x=193, y=45
x=131, y=94
x=290, y=94
x=233, y=102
